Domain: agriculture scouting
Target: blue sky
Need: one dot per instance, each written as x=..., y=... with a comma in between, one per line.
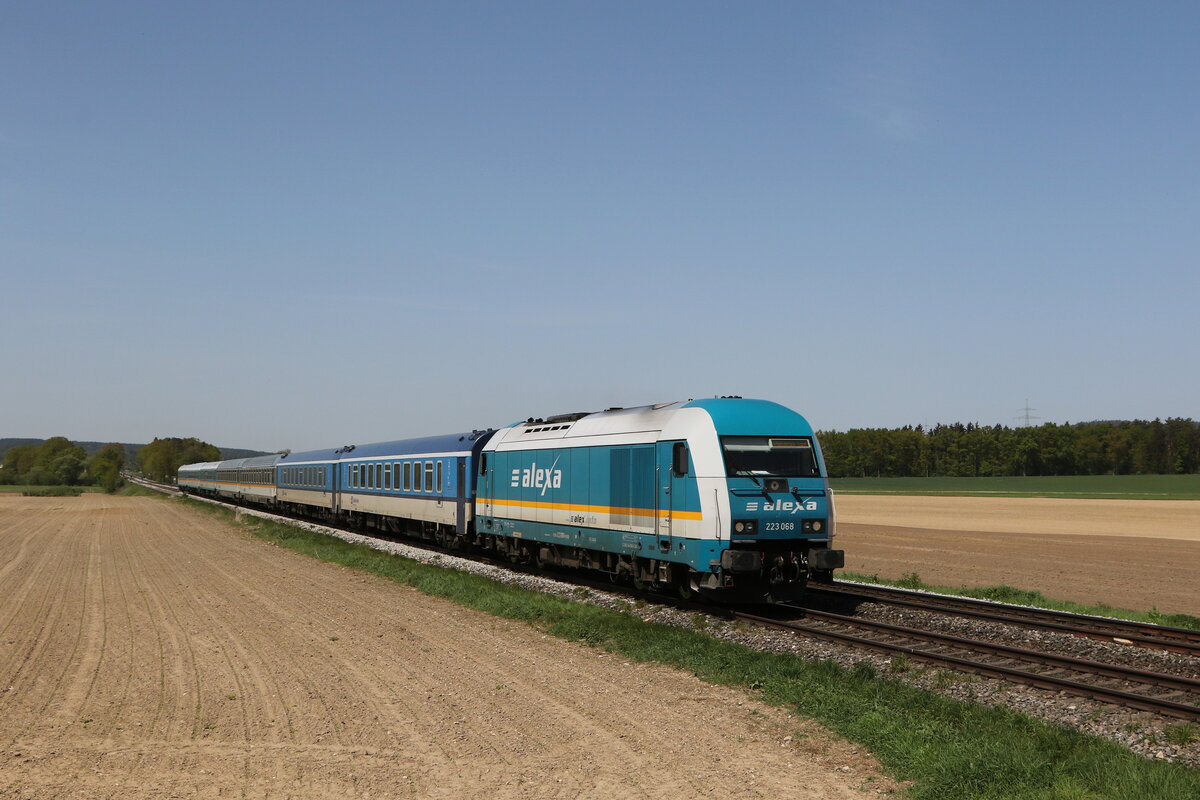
x=296, y=225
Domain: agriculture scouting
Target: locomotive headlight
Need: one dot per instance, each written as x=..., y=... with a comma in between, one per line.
x=744, y=526
x=816, y=526
x=739, y=526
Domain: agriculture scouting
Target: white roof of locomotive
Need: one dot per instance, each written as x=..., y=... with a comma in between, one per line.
x=617, y=426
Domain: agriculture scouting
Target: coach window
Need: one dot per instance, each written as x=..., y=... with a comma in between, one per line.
x=439, y=477
x=379, y=476
x=387, y=476
x=429, y=476
x=407, y=477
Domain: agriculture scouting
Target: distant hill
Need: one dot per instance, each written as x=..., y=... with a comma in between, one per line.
x=91, y=448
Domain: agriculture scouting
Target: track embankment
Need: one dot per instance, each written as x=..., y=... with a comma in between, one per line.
x=148, y=650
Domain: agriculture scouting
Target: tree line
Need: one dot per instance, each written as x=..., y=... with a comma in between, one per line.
x=59, y=462
x=1090, y=448
x=161, y=459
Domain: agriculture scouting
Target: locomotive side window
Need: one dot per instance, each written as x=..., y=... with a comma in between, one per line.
x=679, y=459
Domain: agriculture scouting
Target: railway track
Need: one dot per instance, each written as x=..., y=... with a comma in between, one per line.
x=1168, y=695
x=1163, y=694
x=1139, y=634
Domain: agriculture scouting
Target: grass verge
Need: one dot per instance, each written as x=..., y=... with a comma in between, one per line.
x=1029, y=597
x=134, y=490
x=948, y=749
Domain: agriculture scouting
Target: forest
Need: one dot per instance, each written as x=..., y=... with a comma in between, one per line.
x=59, y=462
x=1159, y=447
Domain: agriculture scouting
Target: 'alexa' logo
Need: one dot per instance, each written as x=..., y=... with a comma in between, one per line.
x=534, y=477
x=782, y=505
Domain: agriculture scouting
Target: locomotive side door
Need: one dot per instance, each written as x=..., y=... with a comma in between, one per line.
x=670, y=471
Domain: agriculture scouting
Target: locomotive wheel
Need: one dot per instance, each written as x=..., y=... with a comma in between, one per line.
x=641, y=585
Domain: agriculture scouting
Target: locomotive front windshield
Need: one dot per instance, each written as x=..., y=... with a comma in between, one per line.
x=772, y=456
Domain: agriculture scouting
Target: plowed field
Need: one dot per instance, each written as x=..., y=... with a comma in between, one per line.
x=1137, y=554
x=147, y=650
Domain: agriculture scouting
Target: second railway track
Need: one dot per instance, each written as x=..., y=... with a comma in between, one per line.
x=1158, y=693
x=1140, y=634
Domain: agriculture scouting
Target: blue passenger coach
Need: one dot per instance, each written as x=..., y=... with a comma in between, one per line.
x=423, y=486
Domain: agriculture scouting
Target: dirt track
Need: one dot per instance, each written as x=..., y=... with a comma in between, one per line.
x=147, y=650
x=1135, y=554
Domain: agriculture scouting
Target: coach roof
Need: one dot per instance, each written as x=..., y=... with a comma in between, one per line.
x=446, y=443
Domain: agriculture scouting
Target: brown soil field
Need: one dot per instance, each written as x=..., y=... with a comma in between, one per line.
x=1138, y=554
x=148, y=650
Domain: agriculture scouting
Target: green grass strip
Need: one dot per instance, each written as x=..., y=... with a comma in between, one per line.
x=949, y=749
x=1030, y=597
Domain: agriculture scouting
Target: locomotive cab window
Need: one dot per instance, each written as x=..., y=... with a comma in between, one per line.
x=777, y=456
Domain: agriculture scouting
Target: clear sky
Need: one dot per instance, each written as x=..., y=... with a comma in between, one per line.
x=299, y=225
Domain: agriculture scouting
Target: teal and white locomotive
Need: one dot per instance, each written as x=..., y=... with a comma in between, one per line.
x=725, y=497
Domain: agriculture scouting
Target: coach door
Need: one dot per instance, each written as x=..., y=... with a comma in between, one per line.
x=460, y=495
